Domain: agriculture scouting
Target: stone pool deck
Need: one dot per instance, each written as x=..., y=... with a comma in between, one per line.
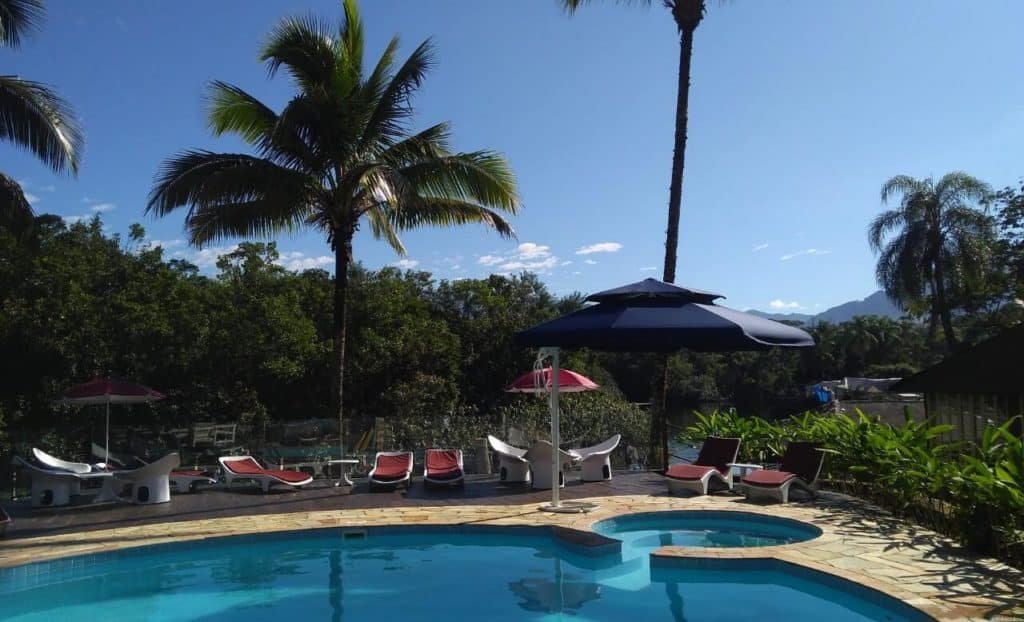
x=859, y=543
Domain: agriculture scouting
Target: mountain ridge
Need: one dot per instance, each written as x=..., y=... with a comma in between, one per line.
x=875, y=304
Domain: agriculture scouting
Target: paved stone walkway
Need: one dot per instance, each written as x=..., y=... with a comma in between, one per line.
x=859, y=543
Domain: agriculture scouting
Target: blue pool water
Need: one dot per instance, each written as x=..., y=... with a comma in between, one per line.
x=419, y=575
x=642, y=533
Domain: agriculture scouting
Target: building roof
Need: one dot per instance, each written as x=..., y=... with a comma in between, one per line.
x=992, y=366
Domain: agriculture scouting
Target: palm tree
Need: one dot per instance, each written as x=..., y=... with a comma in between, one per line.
x=687, y=15
x=339, y=151
x=941, y=240
x=32, y=116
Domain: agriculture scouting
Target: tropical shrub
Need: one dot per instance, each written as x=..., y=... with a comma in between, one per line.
x=974, y=491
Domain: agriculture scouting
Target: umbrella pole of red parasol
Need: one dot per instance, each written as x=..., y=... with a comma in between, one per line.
x=106, y=438
x=555, y=432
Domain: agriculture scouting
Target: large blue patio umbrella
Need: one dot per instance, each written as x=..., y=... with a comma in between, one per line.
x=654, y=316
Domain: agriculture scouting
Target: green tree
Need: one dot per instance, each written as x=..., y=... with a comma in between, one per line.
x=341, y=150
x=32, y=116
x=939, y=241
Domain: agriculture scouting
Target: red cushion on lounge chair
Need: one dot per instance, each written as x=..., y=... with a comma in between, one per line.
x=392, y=467
x=292, y=477
x=246, y=466
x=443, y=464
x=249, y=466
x=687, y=471
x=766, y=477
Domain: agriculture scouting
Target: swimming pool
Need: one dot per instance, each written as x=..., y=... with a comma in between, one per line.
x=641, y=533
x=419, y=574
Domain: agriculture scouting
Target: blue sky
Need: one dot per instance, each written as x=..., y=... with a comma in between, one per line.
x=799, y=111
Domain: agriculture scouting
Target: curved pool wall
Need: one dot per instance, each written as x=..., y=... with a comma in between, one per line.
x=426, y=573
x=647, y=531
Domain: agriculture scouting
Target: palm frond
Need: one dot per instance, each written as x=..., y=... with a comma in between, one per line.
x=571, y=6
x=383, y=228
x=959, y=187
x=256, y=218
x=35, y=118
x=882, y=225
x=905, y=185
x=428, y=144
x=306, y=48
x=349, y=68
x=203, y=181
x=392, y=108
x=480, y=176
x=449, y=212
x=18, y=18
x=16, y=213
x=233, y=110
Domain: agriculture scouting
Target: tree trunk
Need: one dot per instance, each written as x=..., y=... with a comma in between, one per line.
x=342, y=257
x=942, y=302
x=675, y=193
x=659, y=423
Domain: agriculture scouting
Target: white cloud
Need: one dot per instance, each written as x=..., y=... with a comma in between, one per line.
x=87, y=200
x=529, y=250
x=541, y=265
x=207, y=257
x=760, y=247
x=600, y=247
x=102, y=207
x=527, y=256
x=649, y=269
x=809, y=251
x=590, y=262
x=31, y=198
x=49, y=188
x=70, y=220
x=406, y=264
x=780, y=305
x=297, y=261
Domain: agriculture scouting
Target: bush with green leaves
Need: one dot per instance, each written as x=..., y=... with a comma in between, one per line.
x=972, y=490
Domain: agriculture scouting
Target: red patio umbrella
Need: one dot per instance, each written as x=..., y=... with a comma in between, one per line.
x=539, y=381
x=110, y=391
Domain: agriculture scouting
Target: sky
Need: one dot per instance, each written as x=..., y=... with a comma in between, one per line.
x=799, y=111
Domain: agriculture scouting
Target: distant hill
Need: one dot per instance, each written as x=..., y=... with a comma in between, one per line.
x=875, y=304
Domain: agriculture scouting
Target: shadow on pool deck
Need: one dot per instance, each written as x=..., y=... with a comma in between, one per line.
x=216, y=502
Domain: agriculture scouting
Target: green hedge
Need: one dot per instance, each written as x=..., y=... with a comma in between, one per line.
x=970, y=490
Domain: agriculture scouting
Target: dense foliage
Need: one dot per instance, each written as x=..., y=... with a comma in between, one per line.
x=971, y=490
x=251, y=343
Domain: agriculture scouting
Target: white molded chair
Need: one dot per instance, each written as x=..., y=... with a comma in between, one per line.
x=540, y=464
x=596, y=460
x=150, y=483
x=55, y=463
x=51, y=487
x=513, y=467
x=391, y=469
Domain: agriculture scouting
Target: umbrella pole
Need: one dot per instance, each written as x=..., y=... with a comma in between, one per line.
x=106, y=438
x=555, y=444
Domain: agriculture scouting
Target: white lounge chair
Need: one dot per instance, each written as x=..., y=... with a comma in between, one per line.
x=56, y=464
x=391, y=469
x=596, y=460
x=149, y=483
x=540, y=464
x=246, y=468
x=443, y=467
x=51, y=487
x=513, y=467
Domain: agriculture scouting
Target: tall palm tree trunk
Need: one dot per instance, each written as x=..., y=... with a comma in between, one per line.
x=342, y=257
x=659, y=432
x=675, y=193
x=942, y=302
